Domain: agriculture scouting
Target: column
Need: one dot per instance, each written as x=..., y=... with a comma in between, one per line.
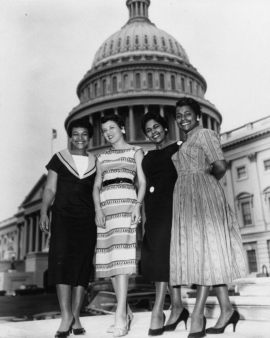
x=91, y=140
x=136, y=6
x=102, y=140
x=200, y=122
x=208, y=122
x=37, y=248
x=31, y=234
x=131, y=124
x=258, y=212
x=24, y=238
x=215, y=126
x=145, y=109
x=161, y=110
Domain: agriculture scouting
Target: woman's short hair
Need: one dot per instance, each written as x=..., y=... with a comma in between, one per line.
x=153, y=115
x=113, y=117
x=188, y=101
x=81, y=123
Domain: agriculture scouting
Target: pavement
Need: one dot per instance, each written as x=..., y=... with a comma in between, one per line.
x=96, y=327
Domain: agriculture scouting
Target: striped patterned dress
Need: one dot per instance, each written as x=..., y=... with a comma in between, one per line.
x=206, y=245
x=116, y=244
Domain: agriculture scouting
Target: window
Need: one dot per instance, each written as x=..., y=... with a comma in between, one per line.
x=104, y=87
x=191, y=87
x=125, y=82
x=95, y=90
x=266, y=165
x=150, y=80
x=173, y=82
x=183, y=84
x=161, y=81
x=241, y=172
x=114, y=84
x=138, y=81
x=246, y=213
x=252, y=261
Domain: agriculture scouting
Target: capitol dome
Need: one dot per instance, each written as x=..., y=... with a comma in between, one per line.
x=137, y=69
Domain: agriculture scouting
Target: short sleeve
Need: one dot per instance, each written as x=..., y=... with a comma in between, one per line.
x=210, y=143
x=54, y=164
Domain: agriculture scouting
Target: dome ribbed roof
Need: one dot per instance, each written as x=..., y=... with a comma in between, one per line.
x=137, y=36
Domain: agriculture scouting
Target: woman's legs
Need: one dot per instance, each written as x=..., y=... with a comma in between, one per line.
x=77, y=300
x=157, y=312
x=176, y=304
x=121, y=287
x=198, y=312
x=224, y=303
x=64, y=298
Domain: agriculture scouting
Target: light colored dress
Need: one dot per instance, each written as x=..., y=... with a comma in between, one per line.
x=116, y=244
x=206, y=245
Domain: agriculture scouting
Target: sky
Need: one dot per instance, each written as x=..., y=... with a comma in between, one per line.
x=47, y=46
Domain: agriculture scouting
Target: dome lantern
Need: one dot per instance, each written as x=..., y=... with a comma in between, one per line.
x=138, y=10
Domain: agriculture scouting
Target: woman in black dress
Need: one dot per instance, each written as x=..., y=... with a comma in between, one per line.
x=161, y=177
x=71, y=175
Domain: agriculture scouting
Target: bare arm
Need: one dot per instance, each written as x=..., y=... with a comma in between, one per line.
x=100, y=217
x=219, y=169
x=136, y=213
x=48, y=196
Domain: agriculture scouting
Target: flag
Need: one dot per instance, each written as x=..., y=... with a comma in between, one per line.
x=54, y=134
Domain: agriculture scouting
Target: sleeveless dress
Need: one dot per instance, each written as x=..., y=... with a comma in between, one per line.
x=73, y=228
x=161, y=176
x=116, y=244
x=206, y=245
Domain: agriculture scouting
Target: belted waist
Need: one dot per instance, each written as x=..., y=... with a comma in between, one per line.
x=117, y=180
x=194, y=171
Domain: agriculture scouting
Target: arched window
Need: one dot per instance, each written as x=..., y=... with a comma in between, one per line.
x=138, y=80
x=136, y=39
x=150, y=80
x=161, y=81
x=127, y=40
x=173, y=82
x=114, y=84
x=125, y=82
x=183, y=84
x=146, y=39
x=104, y=87
x=191, y=87
x=88, y=92
x=155, y=40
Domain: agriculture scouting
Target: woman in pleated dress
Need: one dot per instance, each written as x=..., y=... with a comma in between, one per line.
x=206, y=245
x=118, y=211
x=72, y=230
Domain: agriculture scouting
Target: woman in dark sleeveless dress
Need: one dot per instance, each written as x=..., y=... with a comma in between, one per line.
x=71, y=175
x=161, y=177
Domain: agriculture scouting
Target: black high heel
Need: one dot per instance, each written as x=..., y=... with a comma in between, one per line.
x=64, y=334
x=78, y=331
x=157, y=332
x=232, y=320
x=199, y=334
x=183, y=316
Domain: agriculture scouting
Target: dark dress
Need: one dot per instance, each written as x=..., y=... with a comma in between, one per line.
x=161, y=176
x=73, y=229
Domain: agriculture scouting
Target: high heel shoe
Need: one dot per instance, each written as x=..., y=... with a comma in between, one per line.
x=130, y=317
x=78, y=331
x=64, y=334
x=183, y=316
x=199, y=334
x=232, y=320
x=157, y=332
x=120, y=331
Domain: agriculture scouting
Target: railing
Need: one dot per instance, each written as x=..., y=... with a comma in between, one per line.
x=246, y=129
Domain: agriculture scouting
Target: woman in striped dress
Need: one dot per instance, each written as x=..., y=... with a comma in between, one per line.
x=117, y=213
x=206, y=245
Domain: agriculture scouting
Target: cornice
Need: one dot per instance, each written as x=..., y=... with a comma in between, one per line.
x=246, y=140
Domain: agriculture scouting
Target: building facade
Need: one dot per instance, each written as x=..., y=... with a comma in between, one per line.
x=247, y=186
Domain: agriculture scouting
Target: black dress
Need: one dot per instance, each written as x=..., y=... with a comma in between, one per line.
x=161, y=176
x=73, y=229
